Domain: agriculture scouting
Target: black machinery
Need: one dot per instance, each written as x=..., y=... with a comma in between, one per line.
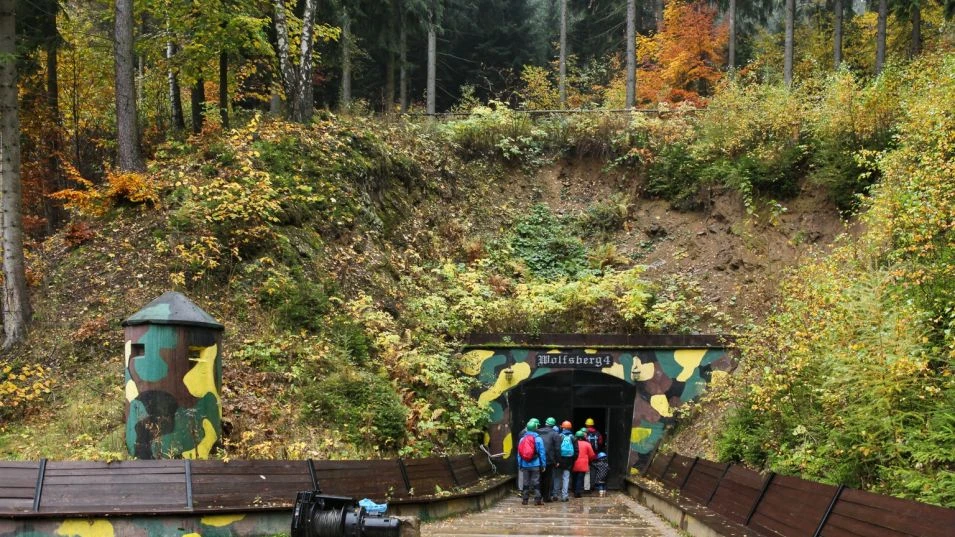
x=321, y=515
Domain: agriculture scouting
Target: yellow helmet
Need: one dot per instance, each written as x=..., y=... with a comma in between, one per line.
x=589, y=422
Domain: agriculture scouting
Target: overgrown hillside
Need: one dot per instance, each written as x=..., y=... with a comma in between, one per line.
x=852, y=378
x=349, y=257
x=346, y=260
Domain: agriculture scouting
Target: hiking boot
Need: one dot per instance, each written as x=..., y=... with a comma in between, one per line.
x=553, y=498
x=538, y=501
x=524, y=501
x=565, y=499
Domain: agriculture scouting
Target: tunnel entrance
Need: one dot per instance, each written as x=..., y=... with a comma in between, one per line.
x=576, y=395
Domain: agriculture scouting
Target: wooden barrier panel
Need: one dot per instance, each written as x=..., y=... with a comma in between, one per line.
x=864, y=514
x=17, y=486
x=677, y=471
x=427, y=474
x=659, y=465
x=239, y=484
x=792, y=507
x=703, y=480
x=737, y=493
x=483, y=464
x=119, y=487
x=377, y=480
x=464, y=471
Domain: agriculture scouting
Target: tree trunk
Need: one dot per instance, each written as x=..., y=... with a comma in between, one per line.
x=837, y=34
x=224, y=89
x=54, y=213
x=305, y=103
x=388, y=100
x=562, y=81
x=788, y=52
x=658, y=14
x=127, y=128
x=16, y=301
x=432, y=61
x=286, y=68
x=198, y=100
x=402, y=61
x=346, y=60
x=731, y=53
x=175, y=93
x=297, y=82
x=916, y=48
x=631, y=53
x=880, y=35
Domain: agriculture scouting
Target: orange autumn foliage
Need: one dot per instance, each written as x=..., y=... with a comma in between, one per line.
x=683, y=61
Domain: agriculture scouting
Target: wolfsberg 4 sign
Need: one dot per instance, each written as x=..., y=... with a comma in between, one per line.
x=574, y=359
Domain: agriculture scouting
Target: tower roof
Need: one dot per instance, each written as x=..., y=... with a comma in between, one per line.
x=173, y=308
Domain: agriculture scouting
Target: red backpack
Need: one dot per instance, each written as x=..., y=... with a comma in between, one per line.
x=527, y=448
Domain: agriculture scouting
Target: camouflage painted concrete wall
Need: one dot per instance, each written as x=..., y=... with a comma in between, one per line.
x=228, y=525
x=664, y=378
x=173, y=387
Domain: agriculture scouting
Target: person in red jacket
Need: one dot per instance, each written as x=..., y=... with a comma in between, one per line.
x=582, y=464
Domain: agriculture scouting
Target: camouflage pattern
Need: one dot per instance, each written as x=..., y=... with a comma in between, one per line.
x=227, y=525
x=173, y=380
x=664, y=378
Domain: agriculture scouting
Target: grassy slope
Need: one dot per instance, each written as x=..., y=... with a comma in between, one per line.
x=385, y=203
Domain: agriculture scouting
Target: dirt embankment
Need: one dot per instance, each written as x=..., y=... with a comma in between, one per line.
x=737, y=257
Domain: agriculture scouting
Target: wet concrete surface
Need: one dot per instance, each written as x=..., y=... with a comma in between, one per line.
x=616, y=515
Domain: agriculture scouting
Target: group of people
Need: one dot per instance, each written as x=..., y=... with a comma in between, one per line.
x=549, y=456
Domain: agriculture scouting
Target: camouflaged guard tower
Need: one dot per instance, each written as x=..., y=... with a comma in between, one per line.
x=173, y=380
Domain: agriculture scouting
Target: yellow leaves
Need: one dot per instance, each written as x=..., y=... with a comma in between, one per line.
x=131, y=187
x=21, y=386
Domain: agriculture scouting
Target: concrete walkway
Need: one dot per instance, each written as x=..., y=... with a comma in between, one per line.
x=616, y=515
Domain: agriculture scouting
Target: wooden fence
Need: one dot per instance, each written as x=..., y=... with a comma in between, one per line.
x=182, y=486
x=776, y=505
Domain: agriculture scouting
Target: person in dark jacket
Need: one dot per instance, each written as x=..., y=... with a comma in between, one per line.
x=599, y=470
x=565, y=464
x=531, y=469
x=551, y=445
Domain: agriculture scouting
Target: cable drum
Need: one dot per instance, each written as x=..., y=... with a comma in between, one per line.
x=319, y=515
x=329, y=523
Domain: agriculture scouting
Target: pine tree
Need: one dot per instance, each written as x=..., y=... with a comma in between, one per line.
x=16, y=301
x=127, y=123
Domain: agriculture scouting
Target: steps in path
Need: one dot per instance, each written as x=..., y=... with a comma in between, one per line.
x=616, y=515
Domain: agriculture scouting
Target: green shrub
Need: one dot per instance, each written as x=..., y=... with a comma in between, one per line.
x=298, y=302
x=848, y=119
x=546, y=245
x=496, y=131
x=751, y=138
x=606, y=216
x=361, y=404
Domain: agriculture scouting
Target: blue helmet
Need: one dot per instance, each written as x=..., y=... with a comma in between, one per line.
x=601, y=455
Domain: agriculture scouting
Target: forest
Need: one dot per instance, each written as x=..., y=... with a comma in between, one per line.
x=352, y=187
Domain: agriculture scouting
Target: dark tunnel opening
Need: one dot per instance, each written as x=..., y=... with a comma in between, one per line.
x=577, y=395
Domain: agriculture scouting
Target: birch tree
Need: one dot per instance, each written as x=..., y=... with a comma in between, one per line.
x=296, y=80
x=16, y=301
